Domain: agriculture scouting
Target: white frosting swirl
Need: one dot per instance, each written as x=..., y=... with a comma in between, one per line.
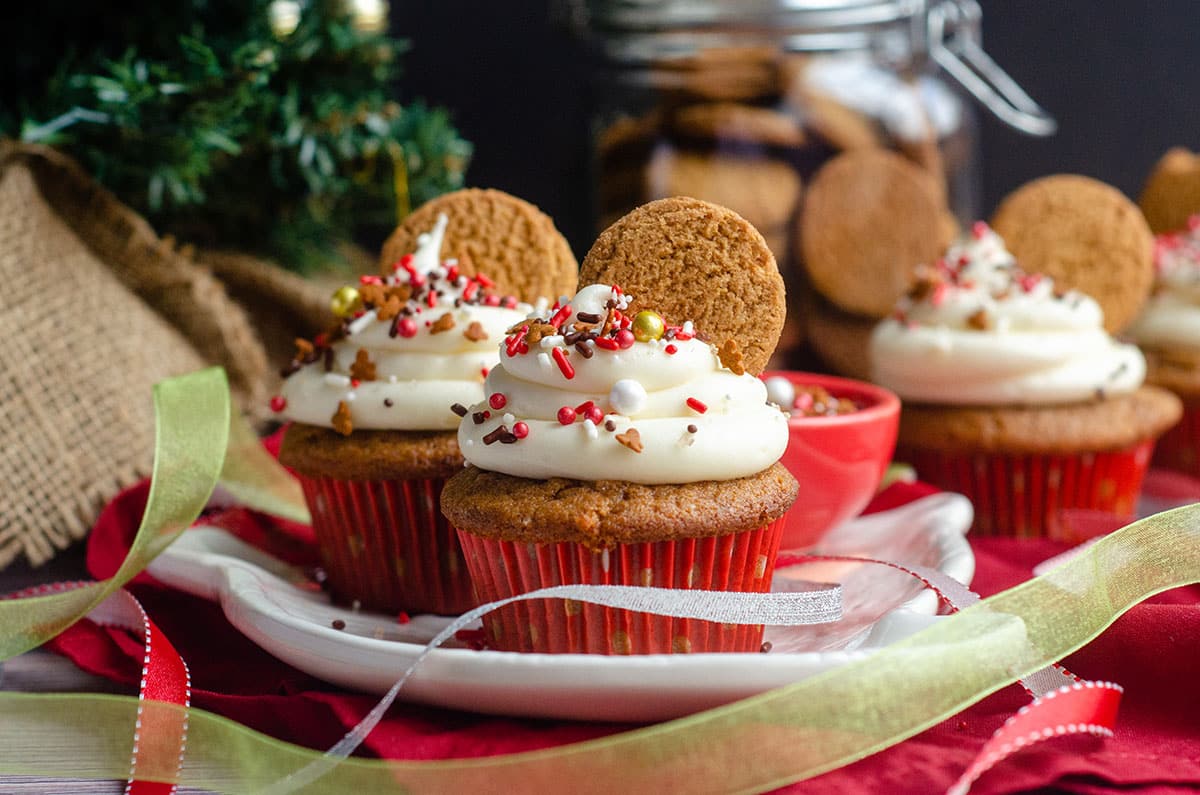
x=695, y=420
x=976, y=330
x=1171, y=319
x=417, y=377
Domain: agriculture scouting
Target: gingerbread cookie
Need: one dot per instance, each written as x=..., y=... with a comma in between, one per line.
x=870, y=218
x=1085, y=235
x=1172, y=192
x=490, y=232
x=696, y=261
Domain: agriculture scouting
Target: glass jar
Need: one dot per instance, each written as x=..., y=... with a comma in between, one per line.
x=741, y=102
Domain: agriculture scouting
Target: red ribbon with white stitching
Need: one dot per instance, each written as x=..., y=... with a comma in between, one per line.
x=160, y=736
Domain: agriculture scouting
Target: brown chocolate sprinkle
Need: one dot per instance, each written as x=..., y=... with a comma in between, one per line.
x=631, y=439
x=584, y=349
x=459, y=409
x=731, y=357
x=479, y=417
x=443, y=323
x=329, y=360
x=501, y=434
x=474, y=332
x=338, y=624
x=692, y=428
x=609, y=425
x=980, y=320
x=341, y=419
x=363, y=368
x=388, y=402
x=589, y=317
x=765, y=647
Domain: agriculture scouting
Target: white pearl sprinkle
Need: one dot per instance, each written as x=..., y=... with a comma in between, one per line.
x=337, y=379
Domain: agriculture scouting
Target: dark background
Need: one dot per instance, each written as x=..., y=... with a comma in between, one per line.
x=1122, y=78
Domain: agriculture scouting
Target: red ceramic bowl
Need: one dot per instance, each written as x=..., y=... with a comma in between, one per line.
x=838, y=461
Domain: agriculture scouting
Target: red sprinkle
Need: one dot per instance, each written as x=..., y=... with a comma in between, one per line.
x=594, y=414
x=321, y=340
x=520, y=430
x=431, y=299
x=497, y=400
x=696, y=405
x=278, y=403
x=624, y=339
x=671, y=349
x=354, y=382
x=939, y=294
x=452, y=273
x=406, y=261
x=584, y=406
x=470, y=290
x=407, y=327
x=484, y=280
x=483, y=371
x=560, y=316
x=978, y=230
x=509, y=302
x=367, y=278
x=492, y=300
x=606, y=343
x=403, y=618
x=683, y=336
x=566, y=415
x=560, y=358
x=1029, y=281
x=514, y=342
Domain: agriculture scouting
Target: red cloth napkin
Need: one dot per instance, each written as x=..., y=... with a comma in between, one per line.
x=1152, y=651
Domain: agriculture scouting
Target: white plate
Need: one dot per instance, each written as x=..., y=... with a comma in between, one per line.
x=272, y=605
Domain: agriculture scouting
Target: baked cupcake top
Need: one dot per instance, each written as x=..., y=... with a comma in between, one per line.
x=977, y=330
x=1171, y=320
x=409, y=344
x=586, y=392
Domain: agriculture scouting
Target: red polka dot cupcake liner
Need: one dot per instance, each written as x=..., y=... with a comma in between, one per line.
x=386, y=545
x=1025, y=496
x=737, y=562
x=1179, y=447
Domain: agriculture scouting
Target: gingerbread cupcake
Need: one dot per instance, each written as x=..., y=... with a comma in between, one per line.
x=1168, y=332
x=372, y=441
x=617, y=445
x=1014, y=394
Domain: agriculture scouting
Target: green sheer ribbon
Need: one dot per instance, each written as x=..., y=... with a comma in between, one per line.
x=781, y=736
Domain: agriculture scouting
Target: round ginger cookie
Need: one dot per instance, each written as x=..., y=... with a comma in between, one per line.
x=508, y=239
x=691, y=260
x=1172, y=192
x=1086, y=236
x=870, y=217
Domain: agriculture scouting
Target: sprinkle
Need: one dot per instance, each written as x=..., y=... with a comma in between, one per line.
x=589, y=317
x=590, y=428
x=979, y=229
x=363, y=368
x=483, y=371
x=544, y=361
x=278, y=403
x=609, y=425
x=692, y=428
x=474, y=332
x=560, y=358
x=624, y=339
x=479, y=417
x=765, y=647
x=631, y=440
x=407, y=327
x=566, y=415
x=403, y=618
x=731, y=357
x=355, y=383
x=584, y=349
x=1029, y=281
x=387, y=402
x=338, y=624
x=469, y=292
x=979, y=320
x=359, y=323
x=940, y=293
x=484, y=280
x=341, y=421
x=497, y=400
x=696, y=405
x=328, y=360
x=560, y=316
x=459, y=409
x=520, y=430
x=495, y=435
x=606, y=343
x=337, y=380
x=593, y=414
x=671, y=349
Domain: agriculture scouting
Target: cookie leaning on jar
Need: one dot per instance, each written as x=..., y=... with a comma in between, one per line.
x=1014, y=394
x=616, y=445
x=371, y=439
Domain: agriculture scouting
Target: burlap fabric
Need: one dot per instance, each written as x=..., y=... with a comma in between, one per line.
x=94, y=309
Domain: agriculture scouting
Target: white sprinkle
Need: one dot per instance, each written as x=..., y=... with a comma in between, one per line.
x=337, y=379
x=688, y=327
x=551, y=341
x=627, y=397
x=469, y=443
x=780, y=391
x=361, y=323
x=590, y=427
x=508, y=418
x=544, y=362
x=392, y=379
x=356, y=605
x=350, y=396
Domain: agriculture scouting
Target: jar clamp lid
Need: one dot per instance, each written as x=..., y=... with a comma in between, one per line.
x=946, y=31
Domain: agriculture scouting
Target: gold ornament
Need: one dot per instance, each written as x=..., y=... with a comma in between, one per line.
x=648, y=325
x=284, y=17
x=345, y=301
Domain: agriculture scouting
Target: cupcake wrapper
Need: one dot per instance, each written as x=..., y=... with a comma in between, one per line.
x=1025, y=495
x=1179, y=447
x=738, y=562
x=386, y=544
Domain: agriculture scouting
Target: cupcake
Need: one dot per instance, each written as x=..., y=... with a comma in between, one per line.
x=1014, y=394
x=371, y=440
x=617, y=445
x=1168, y=331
